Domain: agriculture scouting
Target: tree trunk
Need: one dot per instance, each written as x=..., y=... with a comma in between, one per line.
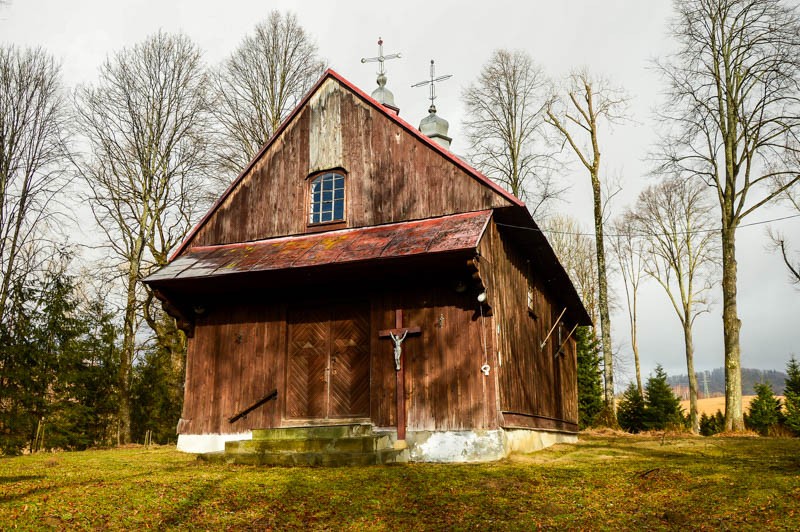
x=689, y=344
x=602, y=297
x=635, y=347
x=635, y=341
x=734, y=421
x=128, y=344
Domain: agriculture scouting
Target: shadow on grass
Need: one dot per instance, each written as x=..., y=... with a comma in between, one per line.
x=182, y=512
x=19, y=478
x=41, y=490
x=440, y=496
x=58, y=485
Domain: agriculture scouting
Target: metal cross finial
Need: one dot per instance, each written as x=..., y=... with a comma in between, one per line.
x=432, y=82
x=381, y=58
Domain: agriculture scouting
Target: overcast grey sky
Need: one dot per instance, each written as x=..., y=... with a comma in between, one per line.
x=616, y=38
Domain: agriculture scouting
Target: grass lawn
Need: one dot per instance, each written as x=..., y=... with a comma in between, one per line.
x=604, y=482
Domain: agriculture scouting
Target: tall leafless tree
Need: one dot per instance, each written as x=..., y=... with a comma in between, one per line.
x=627, y=247
x=258, y=86
x=146, y=122
x=734, y=111
x=575, y=251
x=675, y=217
x=577, y=117
x=504, y=125
x=32, y=153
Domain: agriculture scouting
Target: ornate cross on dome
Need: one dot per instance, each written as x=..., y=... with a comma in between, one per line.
x=380, y=58
x=432, y=82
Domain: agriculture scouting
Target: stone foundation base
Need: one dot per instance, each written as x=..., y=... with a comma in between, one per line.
x=421, y=446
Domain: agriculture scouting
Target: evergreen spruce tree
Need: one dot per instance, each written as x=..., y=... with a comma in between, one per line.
x=57, y=334
x=719, y=422
x=791, y=394
x=705, y=424
x=21, y=392
x=590, y=387
x=662, y=407
x=713, y=424
x=765, y=410
x=157, y=397
x=48, y=380
x=631, y=410
x=85, y=416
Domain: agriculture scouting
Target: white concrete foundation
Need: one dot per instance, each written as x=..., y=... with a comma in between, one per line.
x=424, y=446
x=209, y=443
x=528, y=441
x=479, y=445
x=455, y=446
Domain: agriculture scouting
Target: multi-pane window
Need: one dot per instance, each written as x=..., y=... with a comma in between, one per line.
x=327, y=198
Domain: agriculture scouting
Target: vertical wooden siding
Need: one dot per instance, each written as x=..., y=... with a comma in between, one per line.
x=238, y=354
x=229, y=367
x=391, y=175
x=532, y=381
x=445, y=389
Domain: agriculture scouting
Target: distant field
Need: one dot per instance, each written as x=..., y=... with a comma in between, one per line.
x=712, y=404
x=610, y=482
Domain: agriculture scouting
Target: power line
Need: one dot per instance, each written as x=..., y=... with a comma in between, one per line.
x=762, y=222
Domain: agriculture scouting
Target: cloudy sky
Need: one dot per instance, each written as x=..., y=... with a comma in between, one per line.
x=615, y=38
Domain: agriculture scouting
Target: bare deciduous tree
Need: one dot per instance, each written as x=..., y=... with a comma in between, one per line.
x=32, y=125
x=575, y=251
x=779, y=240
x=675, y=218
x=782, y=244
x=734, y=107
x=628, y=248
x=577, y=118
x=258, y=86
x=505, y=127
x=146, y=123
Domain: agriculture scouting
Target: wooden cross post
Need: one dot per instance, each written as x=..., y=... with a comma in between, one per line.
x=397, y=335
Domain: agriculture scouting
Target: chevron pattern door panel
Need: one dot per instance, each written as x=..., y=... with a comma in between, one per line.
x=309, y=347
x=349, y=366
x=328, y=362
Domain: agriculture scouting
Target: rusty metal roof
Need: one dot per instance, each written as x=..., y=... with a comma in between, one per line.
x=420, y=237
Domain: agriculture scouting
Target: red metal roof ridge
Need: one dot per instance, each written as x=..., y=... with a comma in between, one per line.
x=236, y=245
x=330, y=73
x=436, y=146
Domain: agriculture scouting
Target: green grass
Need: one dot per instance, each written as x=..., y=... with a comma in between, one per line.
x=601, y=483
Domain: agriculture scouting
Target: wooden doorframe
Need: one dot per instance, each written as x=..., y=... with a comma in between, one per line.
x=329, y=304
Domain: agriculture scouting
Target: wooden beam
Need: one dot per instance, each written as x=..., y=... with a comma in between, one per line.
x=411, y=330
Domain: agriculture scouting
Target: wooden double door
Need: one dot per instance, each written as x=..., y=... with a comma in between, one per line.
x=328, y=361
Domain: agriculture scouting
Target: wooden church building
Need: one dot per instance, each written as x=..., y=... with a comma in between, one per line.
x=361, y=283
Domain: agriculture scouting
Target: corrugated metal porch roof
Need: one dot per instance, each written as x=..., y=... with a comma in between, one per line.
x=420, y=237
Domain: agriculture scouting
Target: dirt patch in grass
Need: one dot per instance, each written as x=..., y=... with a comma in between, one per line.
x=602, y=482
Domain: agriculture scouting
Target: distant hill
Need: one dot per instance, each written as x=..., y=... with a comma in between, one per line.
x=714, y=381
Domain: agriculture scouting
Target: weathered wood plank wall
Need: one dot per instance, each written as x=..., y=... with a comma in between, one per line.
x=391, y=175
x=229, y=368
x=445, y=389
x=536, y=389
x=238, y=354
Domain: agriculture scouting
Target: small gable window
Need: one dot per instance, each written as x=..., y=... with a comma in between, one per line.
x=327, y=198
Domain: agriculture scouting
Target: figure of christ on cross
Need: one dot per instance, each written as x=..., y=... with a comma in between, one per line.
x=397, y=336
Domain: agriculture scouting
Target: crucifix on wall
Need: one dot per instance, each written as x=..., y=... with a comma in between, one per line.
x=398, y=336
